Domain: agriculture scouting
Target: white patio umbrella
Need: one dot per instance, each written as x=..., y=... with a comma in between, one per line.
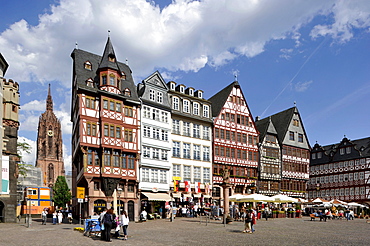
x=354, y=204
x=256, y=198
x=235, y=197
x=280, y=198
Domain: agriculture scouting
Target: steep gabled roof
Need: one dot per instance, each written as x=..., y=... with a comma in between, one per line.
x=220, y=98
x=108, y=54
x=265, y=126
x=282, y=121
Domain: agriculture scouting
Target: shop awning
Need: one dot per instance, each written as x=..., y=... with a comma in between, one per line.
x=176, y=195
x=157, y=196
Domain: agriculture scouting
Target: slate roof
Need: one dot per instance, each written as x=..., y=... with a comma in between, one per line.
x=81, y=75
x=109, y=52
x=361, y=147
x=219, y=99
x=265, y=126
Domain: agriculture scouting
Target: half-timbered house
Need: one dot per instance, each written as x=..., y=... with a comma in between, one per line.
x=235, y=140
x=105, y=138
x=269, y=168
x=295, y=152
x=341, y=171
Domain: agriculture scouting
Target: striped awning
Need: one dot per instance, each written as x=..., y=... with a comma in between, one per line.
x=157, y=196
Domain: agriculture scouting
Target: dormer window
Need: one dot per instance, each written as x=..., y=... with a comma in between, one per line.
x=127, y=92
x=191, y=92
x=172, y=86
x=88, y=66
x=90, y=82
x=111, y=58
x=182, y=89
x=123, y=76
x=200, y=95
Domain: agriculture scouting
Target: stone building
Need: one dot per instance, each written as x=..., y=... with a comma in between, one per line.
x=49, y=156
x=9, y=135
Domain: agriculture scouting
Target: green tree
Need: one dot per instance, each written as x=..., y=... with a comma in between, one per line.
x=23, y=148
x=61, y=193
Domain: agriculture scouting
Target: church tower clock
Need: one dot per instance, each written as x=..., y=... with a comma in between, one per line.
x=50, y=145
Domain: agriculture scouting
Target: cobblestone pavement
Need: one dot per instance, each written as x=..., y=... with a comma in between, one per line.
x=189, y=231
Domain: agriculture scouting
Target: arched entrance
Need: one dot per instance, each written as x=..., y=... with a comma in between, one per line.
x=2, y=218
x=131, y=210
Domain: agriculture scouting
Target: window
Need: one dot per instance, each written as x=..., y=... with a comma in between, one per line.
x=164, y=155
x=341, y=151
x=145, y=174
x=175, y=149
x=348, y=150
x=155, y=114
x=291, y=136
x=163, y=176
x=90, y=103
x=118, y=132
x=105, y=104
x=111, y=106
x=146, y=112
x=106, y=130
x=89, y=157
x=88, y=66
x=186, y=129
x=146, y=152
x=175, y=103
x=186, y=150
x=196, y=108
x=196, y=152
x=111, y=131
x=196, y=131
x=164, y=117
x=186, y=106
x=154, y=175
x=206, y=132
x=187, y=173
x=206, y=111
x=175, y=126
x=118, y=107
x=128, y=111
x=206, y=175
x=116, y=158
x=206, y=155
x=295, y=122
x=96, y=185
x=176, y=172
x=155, y=153
x=112, y=80
x=159, y=97
x=164, y=135
x=130, y=188
x=88, y=129
x=300, y=137
x=146, y=131
x=152, y=95
x=128, y=135
x=127, y=92
x=104, y=79
x=107, y=157
x=197, y=174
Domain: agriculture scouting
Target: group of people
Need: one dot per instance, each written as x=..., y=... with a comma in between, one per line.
x=57, y=217
x=250, y=219
x=109, y=220
x=336, y=214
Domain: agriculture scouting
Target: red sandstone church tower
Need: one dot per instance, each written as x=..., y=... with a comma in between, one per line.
x=50, y=145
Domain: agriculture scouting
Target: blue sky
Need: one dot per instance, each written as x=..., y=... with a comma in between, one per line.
x=314, y=53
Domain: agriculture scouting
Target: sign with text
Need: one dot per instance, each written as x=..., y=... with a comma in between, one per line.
x=80, y=192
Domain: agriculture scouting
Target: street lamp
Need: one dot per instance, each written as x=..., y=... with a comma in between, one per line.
x=119, y=190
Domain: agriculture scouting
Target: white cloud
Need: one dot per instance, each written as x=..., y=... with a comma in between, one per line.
x=302, y=86
x=31, y=157
x=286, y=53
x=185, y=35
x=348, y=15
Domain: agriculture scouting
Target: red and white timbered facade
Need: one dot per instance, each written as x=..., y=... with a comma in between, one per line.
x=235, y=139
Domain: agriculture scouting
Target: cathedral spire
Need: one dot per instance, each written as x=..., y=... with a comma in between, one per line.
x=49, y=101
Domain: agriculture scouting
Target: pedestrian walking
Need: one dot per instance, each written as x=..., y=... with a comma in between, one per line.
x=248, y=221
x=55, y=215
x=44, y=216
x=124, y=223
x=60, y=217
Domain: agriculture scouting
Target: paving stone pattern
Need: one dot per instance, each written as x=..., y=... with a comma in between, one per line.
x=189, y=231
